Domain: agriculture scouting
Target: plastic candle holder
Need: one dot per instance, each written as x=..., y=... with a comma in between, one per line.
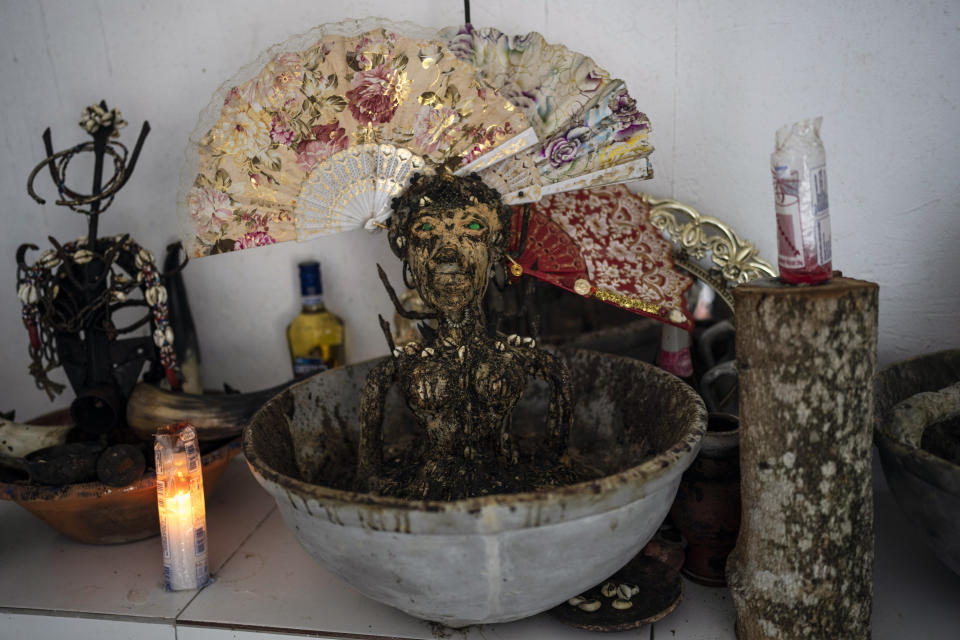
x=183, y=521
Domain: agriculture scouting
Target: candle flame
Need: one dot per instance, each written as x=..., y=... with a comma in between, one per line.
x=179, y=505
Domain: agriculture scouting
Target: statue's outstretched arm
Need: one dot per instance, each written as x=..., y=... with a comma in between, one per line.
x=370, y=459
x=560, y=410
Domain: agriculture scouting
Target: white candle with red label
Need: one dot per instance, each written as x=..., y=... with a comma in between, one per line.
x=799, y=167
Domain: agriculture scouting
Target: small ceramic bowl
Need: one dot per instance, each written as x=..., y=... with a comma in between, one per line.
x=96, y=513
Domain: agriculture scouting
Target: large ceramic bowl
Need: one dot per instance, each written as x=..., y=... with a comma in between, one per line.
x=925, y=485
x=97, y=513
x=492, y=558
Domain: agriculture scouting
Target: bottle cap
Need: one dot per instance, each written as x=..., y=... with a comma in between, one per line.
x=310, y=284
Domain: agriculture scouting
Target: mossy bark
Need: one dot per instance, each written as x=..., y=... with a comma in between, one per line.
x=803, y=564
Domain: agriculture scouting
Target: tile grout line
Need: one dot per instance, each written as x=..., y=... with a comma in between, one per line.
x=292, y=631
x=176, y=618
x=86, y=615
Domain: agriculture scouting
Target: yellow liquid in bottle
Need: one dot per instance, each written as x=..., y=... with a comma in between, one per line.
x=315, y=338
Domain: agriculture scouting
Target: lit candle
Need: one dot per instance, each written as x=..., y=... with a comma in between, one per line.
x=183, y=522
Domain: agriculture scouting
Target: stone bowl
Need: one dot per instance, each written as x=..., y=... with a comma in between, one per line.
x=96, y=513
x=925, y=485
x=493, y=558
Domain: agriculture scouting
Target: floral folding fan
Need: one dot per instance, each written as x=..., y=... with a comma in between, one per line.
x=599, y=243
x=322, y=131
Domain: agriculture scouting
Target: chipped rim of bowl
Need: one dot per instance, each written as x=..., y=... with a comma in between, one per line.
x=927, y=466
x=642, y=479
x=932, y=469
x=18, y=492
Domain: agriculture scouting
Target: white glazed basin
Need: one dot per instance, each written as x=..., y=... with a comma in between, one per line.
x=492, y=558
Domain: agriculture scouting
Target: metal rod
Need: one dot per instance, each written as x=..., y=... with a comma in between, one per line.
x=524, y=224
x=97, y=345
x=128, y=170
x=48, y=147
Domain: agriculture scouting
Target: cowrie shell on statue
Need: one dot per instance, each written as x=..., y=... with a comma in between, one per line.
x=156, y=295
x=144, y=257
x=27, y=293
x=49, y=259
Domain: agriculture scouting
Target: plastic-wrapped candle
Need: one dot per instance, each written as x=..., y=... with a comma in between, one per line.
x=183, y=521
x=799, y=167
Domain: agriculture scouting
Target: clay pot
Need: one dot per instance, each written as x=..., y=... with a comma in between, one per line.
x=667, y=546
x=97, y=513
x=707, y=507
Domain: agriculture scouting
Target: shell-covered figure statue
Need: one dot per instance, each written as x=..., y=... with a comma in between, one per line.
x=461, y=383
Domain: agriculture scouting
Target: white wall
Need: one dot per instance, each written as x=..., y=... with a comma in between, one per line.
x=716, y=78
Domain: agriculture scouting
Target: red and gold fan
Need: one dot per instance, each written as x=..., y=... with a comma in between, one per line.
x=599, y=243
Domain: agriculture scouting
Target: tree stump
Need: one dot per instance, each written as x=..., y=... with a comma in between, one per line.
x=803, y=564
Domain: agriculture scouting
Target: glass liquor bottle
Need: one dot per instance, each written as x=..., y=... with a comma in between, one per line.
x=315, y=336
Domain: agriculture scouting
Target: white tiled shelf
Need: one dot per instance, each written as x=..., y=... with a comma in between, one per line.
x=267, y=587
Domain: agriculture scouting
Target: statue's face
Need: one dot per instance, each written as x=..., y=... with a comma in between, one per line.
x=449, y=255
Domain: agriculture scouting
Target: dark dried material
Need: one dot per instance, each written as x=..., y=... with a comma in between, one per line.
x=121, y=465
x=943, y=439
x=58, y=465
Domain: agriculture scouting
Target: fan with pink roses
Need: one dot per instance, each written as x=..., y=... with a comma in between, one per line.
x=322, y=131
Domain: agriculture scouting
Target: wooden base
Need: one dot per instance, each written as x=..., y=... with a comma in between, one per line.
x=803, y=563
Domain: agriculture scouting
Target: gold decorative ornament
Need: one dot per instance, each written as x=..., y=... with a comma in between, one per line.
x=516, y=269
x=626, y=301
x=733, y=260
